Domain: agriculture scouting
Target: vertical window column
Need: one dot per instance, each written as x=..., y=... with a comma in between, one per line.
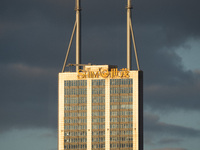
x=75, y=136
x=121, y=114
x=98, y=114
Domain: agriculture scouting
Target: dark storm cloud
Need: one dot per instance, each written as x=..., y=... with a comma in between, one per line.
x=153, y=125
x=25, y=46
x=28, y=97
x=46, y=17
x=36, y=33
x=171, y=149
x=170, y=141
x=33, y=30
x=167, y=84
x=157, y=132
x=182, y=93
x=19, y=10
x=171, y=14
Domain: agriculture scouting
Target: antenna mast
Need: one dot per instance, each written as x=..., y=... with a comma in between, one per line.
x=77, y=27
x=129, y=35
x=78, y=33
x=129, y=7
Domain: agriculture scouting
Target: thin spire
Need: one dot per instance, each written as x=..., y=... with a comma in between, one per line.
x=129, y=7
x=78, y=33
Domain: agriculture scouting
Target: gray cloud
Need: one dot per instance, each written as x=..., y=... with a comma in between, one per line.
x=170, y=141
x=160, y=134
x=36, y=33
x=171, y=149
x=28, y=97
x=153, y=125
x=181, y=93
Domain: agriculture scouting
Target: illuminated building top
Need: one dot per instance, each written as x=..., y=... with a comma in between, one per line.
x=100, y=107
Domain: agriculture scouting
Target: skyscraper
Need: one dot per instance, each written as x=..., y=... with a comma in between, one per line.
x=100, y=106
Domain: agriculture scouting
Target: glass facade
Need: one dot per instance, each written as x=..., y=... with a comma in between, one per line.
x=98, y=114
x=100, y=108
x=121, y=114
x=75, y=114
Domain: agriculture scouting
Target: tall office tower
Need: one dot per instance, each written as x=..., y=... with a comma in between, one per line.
x=100, y=107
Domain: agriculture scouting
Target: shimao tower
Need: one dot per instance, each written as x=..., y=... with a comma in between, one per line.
x=100, y=107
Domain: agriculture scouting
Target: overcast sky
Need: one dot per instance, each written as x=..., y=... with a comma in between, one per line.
x=34, y=36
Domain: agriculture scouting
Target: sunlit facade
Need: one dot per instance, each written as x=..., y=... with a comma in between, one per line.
x=100, y=108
